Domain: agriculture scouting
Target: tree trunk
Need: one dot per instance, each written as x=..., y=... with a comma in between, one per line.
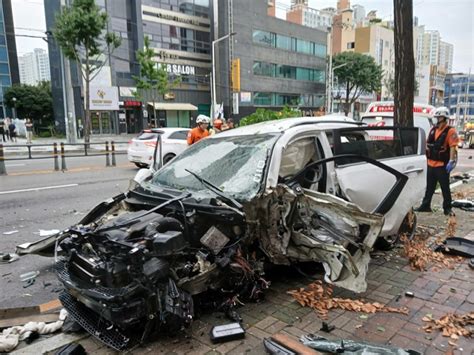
x=404, y=63
x=347, y=104
x=155, y=119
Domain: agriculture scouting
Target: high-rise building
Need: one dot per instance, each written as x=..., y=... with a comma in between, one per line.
x=446, y=51
x=377, y=41
x=301, y=14
x=8, y=56
x=459, y=97
x=34, y=67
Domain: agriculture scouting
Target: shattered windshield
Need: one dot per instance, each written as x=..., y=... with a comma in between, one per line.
x=236, y=165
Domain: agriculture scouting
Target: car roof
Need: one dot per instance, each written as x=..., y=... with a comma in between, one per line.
x=277, y=126
x=165, y=130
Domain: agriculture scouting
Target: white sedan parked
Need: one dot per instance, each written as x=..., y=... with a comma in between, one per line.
x=141, y=148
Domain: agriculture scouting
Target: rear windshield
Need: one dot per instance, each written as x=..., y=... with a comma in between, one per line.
x=148, y=135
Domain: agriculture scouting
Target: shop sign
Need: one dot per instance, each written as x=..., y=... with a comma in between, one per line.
x=104, y=98
x=169, y=96
x=132, y=103
x=245, y=96
x=179, y=69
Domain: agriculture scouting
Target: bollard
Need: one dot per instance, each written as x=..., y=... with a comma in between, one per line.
x=107, y=154
x=55, y=156
x=86, y=145
x=3, y=168
x=29, y=151
x=63, y=158
x=114, y=163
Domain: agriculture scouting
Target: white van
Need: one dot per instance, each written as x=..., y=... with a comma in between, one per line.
x=380, y=113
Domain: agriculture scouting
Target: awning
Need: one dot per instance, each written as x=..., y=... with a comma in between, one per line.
x=173, y=106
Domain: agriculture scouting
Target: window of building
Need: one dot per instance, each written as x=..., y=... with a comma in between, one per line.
x=350, y=45
x=288, y=72
x=262, y=98
x=263, y=68
x=283, y=42
x=3, y=54
x=4, y=68
x=264, y=38
x=5, y=80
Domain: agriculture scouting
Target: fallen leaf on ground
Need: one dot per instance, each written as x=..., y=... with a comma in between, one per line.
x=319, y=297
x=452, y=325
x=358, y=326
x=421, y=256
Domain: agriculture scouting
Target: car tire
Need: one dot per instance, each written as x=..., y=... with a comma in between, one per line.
x=408, y=228
x=168, y=157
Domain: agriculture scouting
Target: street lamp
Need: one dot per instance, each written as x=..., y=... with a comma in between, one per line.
x=213, y=89
x=331, y=84
x=14, y=107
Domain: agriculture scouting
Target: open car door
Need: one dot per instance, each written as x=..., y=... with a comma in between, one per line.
x=402, y=149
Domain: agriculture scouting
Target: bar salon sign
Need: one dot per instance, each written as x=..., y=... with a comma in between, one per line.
x=179, y=69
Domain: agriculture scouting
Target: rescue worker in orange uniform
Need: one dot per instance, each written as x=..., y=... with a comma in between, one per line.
x=200, y=131
x=441, y=150
x=216, y=126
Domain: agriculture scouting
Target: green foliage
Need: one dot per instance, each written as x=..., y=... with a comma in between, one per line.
x=153, y=80
x=80, y=34
x=262, y=115
x=361, y=74
x=32, y=101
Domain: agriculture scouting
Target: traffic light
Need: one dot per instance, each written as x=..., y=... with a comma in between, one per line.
x=236, y=75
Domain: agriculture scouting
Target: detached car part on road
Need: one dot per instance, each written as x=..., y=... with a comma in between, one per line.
x=198, y=232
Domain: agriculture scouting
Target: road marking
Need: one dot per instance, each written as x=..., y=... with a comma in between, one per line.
x=73, y=170
x=10, y=165
x=38, y=189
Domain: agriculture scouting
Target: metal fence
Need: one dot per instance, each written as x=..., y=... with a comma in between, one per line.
x=59, y=153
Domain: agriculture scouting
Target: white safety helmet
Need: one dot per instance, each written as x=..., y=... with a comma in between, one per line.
x=442, y=111
x=202, y=119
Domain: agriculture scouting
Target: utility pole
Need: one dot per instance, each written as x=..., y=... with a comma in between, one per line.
x=329, y=76
x=467, y=105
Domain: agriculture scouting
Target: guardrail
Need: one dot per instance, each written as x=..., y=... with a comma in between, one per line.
x=108, y=151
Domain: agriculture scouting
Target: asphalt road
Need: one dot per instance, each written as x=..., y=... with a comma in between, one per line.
x=34, y=197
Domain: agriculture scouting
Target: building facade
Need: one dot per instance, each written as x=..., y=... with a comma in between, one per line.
x=34, y=67
x=459, y=97
x=301, y=14
x=8, y=56
x=179, y=33
x=281, y=63
x=446, y=53
x=431, y=50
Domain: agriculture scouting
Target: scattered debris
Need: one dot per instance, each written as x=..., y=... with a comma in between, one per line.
x=347, y=346
x=319, y=297
x=451, y=325
x=451, y=227
x=327, y=328
x=8, y=258
x=227, y=332
x=10, y=337
x=10, y=232
x=465, y=205
x=71, y=349
x=281, y=344
x=421, y=256
x=29, y=282
x=48, y=233
x=457, y=246
x=409, y=294
x=29, y=275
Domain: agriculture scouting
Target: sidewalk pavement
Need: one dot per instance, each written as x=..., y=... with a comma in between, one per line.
x=436, y=293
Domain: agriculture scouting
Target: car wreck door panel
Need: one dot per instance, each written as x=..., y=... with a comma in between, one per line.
x=364, y=184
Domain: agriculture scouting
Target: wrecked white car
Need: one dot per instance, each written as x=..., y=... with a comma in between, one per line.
x=199, y=231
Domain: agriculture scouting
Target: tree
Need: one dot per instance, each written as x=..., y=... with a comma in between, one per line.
x=262, y=115
x=404, y=63
x=358, y=73
x=81, y=33
x=389, y=83
x=32, y=101
x=153, y=82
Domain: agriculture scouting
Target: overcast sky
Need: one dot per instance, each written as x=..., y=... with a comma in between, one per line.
x=454, y=19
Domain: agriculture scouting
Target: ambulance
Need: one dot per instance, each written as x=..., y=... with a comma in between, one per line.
x=380, y=114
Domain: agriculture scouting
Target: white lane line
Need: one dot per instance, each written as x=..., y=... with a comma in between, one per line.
x=10, y=165
x=37, y=189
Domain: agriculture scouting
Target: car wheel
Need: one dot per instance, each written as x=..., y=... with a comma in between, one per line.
x=407, y=228
x=168, y=157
